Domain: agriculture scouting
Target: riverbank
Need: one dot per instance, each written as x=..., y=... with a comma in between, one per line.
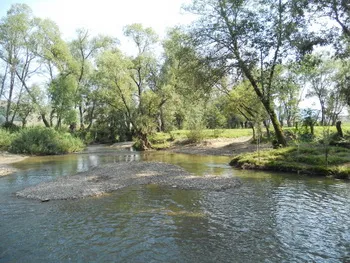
x=219, y=147
x=115, y=176
x=6, y=160
x=306, y=159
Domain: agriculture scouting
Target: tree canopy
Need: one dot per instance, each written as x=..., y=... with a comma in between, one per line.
x=240, y=64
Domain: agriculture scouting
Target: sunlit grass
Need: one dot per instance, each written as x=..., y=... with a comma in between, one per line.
x=307, y=158
x=319, y=130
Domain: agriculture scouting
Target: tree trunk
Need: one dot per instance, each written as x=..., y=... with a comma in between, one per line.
x=91, y=116
x=162, y=122
x=145, y=143
x=81, y=117
x=275, y=123
x=323, y=115
x=312, y=128
x=339, y=129
x=58, y=125
x=281, y=140
x=43, y=117
x=9, y=101
x=267, y=129
x=254, y=133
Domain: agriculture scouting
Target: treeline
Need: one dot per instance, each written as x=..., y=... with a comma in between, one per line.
x=239, y=65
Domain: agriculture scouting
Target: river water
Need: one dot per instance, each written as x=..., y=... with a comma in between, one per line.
x=271, y=218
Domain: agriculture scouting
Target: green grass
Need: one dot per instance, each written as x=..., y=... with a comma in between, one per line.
x=162, y=140
x=320, y=129
x=306, y=159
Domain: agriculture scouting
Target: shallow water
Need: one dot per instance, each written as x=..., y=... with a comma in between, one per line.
x=270, y=218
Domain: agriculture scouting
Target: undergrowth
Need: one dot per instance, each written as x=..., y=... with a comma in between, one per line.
x=44, y=141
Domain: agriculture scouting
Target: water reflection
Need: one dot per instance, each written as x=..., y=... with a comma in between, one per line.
x=271, y=218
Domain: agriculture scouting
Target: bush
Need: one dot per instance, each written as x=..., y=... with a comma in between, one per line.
x=195, y=136
x=44, y=141
x=10, y=127
x=5, y=139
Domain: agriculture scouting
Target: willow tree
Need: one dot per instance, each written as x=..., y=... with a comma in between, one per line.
x=15, y=36
x=254, y=37
x=84, y=49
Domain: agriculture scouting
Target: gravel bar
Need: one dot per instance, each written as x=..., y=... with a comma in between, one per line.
x=111, y=177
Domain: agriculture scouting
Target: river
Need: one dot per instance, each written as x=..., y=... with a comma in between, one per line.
x=271, y=218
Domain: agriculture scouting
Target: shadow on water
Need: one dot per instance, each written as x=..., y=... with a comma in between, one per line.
x=271, y=218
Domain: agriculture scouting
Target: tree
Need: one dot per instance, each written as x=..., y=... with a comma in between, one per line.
x=189, y=80
x=84, y=49
x=323, y=77
x=25, y=107
x=243, y=101
x=27, y=45
x=15, y=45
x=288, y=92
x=143, y=65
x=58, y=66
x=61, y=91
x=343, y=82
x=339, y=12
x=254, y=38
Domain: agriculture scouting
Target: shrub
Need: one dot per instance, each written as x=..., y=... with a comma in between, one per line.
x=195, y=135
x=10, y=127
x=44, y=141
x=5, y=139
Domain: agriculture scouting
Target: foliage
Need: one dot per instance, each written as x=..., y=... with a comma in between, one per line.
x=239, y=65
x=44, y=141
x=254, y=39
x=6, y=139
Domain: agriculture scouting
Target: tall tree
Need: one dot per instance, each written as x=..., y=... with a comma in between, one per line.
x=343, y=82
x=143, y=66
x=325, y=84
x=84, y=50
x=58, y=66
x=15, y=45
x=253, y=36
x=288, y=92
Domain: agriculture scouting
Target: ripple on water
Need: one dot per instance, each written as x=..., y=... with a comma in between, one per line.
x=270, y=218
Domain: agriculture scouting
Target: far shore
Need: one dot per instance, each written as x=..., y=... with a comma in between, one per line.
x=219, y=147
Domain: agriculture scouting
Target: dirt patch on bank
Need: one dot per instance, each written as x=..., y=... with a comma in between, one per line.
x=111, y=177
x=222, y=146
x=6, y=159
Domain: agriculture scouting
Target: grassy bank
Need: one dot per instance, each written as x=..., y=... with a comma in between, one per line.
x=305, y=159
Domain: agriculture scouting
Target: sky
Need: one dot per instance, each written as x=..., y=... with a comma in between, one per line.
x=107, y=16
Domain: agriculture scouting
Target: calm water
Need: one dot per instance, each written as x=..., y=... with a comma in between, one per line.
x=270, y=218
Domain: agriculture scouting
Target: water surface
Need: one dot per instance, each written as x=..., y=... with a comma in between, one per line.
x=271, y=218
